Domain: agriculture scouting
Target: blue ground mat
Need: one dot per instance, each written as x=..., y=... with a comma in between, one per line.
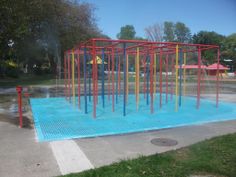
x=57, y=119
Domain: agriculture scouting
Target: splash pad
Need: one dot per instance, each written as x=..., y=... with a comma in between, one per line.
x=123, y=86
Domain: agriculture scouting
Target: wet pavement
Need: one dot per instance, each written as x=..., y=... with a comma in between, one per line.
x=9, y=103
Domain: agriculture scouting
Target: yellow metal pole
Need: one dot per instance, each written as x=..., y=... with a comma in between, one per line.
x=184, y=74
x=73, y=75
x=176, y=76
x=155, y=78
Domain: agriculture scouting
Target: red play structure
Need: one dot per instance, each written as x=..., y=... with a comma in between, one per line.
x=117, y=67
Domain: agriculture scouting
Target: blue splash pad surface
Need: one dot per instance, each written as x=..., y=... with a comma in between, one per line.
x=57, y=119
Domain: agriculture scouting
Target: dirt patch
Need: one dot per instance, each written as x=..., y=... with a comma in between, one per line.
x=182, y=154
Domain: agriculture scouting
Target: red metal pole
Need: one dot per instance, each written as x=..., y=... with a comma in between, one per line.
x=113, y=79
x=217, y=78
x=78, y=69
x=94, y=79
x=199, y=78
x=69, y=81
x=151, y=79
x=144, y=79
x=65, y=89
x=119, y=76
x=160, y=78
x=19, y=93
x=108, y=77
x=172, y=78
x=166, y=77
x=202, y=81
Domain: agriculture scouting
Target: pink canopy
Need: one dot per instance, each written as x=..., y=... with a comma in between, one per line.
x=214, y=67
x=210, y=67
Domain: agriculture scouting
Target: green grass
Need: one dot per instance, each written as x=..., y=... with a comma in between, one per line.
x=25, y=80
x=216, y=156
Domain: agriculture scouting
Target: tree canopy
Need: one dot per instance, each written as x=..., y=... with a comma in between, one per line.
x=169, y=31
x=126, y=32
x=155, y=32
x=206, y=37
x=182, y=32
x=36, y=31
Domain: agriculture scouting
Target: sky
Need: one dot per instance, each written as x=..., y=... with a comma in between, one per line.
x=209, y=15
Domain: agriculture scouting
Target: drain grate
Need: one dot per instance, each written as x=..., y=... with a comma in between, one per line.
x=164, y=142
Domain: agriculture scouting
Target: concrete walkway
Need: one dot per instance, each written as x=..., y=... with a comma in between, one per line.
x=21, y=155
x=105, y=150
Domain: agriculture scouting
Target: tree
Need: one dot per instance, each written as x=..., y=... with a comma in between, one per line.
x=46, y=27
x=229, y=51
x=169, y=28
x=212, y=38
x=155, y=32
x=206, y=37
x=126, y=32
x=182, y=32
x=171, y=32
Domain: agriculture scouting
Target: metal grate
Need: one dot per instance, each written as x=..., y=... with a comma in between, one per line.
x=164, y=142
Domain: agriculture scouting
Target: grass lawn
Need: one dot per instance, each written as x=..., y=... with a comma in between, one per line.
x=216, y=156
x=25, y=80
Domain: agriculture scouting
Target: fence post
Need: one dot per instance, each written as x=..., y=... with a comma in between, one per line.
x=19, y=94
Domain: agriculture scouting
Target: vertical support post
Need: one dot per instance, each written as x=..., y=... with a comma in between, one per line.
x=172, y=78
x=108, y=77
x=127, y=77
x=137, y=86
x=135, y=69
x=180, y=76
x=124, y=69
x=65, y=81
x=199, y=78
x=167, y=64
x=148, y=68
x=217, y=78
x=117, y=59
x=160, y=78
x=69, y=74
x=78, y=69
x=144, y=76
x=119, y=76
x=184, y=73
x=19, y=93
x=103, y=58
x=89, y=77
x=155, y=74
x=94, y=78
x=136, y=78
x=151, y=79
x=85, y=87
x=176, y=76
x=73, y=76
x=113, y=78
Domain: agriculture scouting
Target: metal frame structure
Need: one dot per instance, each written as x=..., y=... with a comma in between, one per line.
x=149, y=56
